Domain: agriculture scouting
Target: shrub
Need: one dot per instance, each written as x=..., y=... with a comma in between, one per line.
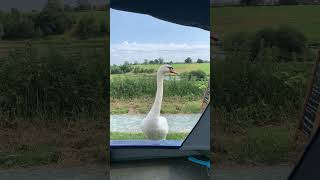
x=125, y=68
x=138, y=69
x=125, y=87
x=258, y=94
x=115, y=69
x=290, y=40
x=197, y=75
x=280, y=44
x=53, y=83
x=200, y=61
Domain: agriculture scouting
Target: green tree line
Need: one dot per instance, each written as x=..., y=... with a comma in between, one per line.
x=15, y=25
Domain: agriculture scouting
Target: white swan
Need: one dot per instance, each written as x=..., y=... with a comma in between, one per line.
x=154, y=126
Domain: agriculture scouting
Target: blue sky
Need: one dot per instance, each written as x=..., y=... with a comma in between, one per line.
x=135, y=37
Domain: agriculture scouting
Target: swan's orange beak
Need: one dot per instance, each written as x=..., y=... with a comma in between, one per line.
x=173, y=71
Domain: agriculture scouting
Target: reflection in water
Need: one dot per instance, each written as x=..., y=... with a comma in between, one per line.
x=131, y=123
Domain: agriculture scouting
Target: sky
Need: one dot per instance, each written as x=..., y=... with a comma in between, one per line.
x=135, y=37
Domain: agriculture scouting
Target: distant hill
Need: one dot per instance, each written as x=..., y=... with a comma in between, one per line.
x=29, y=5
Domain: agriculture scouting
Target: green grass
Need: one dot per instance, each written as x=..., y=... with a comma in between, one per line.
x=258, y=107
x=228, y=20
x=172, y=105
x=75, y=142
x=130, y=87
x=180, y=68
x=45, y=139
x=136, y=136
x=258, y=145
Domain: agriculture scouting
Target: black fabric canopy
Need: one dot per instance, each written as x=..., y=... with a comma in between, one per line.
x=308, y=167
x=195, y=13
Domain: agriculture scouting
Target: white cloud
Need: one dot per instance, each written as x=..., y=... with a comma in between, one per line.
x=133, y=51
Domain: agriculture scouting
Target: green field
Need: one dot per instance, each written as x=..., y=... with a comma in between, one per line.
x=258, y=105
x=134, y=93
x=228, y=20
x=133, y=136
x=42, y=82
x=180, y=68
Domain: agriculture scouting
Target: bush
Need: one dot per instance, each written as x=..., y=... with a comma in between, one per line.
x=258, y=94
x=52, y=84
x=280, y=44
x=197, y=75
x=136, y=87
x=121, y=69
x=290, y=40
x=200, y=61
x=115, y=69
x=138, y=69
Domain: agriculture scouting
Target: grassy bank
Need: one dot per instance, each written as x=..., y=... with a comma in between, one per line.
x=172, y=105
x=180, y=68
x=228, y=20
x=139, y=136
x=52, y=102
x=258, y=146
x=53, y=79
x=257, y=107
x=71, y=141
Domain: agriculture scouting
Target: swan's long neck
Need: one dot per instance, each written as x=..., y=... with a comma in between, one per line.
x=156, y=107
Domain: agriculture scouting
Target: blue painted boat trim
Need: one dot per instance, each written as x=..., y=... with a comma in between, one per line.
x=197, y=161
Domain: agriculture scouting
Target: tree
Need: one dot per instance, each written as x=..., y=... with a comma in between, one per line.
x=17, y=25
x=88, y=26
x=188, y=60
x=145, y=61
x=156, y=61
x=135, y=62
x=151, y=62
x=200, y=61
x=125, y=67
x=52, y=21
x=161, y=61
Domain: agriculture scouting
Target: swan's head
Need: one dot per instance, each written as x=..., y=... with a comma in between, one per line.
x=164, y=69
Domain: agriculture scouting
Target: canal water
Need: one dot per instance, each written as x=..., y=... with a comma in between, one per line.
x=131, y=123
